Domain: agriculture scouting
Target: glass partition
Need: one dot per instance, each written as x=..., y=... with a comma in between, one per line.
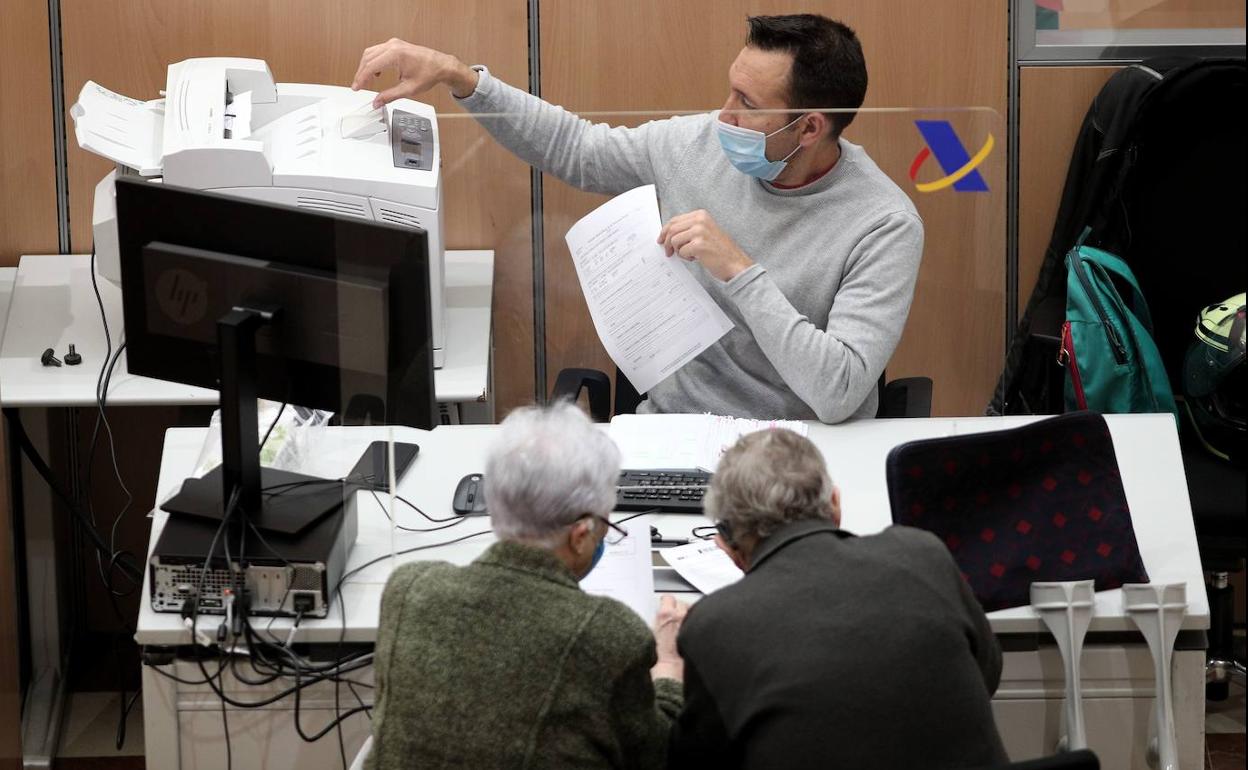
x=948, y=162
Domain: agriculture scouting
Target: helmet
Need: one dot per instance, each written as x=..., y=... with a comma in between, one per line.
x=1214, y=386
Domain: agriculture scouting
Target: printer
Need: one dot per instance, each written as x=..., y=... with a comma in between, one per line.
x=224, y=125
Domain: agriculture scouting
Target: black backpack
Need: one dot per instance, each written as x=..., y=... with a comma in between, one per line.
x=1158, y=175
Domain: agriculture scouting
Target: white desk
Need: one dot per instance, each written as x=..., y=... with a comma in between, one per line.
x=53, y=305
x=185, y=722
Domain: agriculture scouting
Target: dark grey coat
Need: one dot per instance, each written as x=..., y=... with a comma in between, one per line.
x=836, y=651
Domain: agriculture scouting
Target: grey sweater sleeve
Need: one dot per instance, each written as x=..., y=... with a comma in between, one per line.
x=834, y=369
x=590, y=156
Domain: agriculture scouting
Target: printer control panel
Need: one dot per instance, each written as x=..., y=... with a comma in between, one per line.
x=411, y=141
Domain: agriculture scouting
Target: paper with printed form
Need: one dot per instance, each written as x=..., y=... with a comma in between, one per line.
x=650, y=313
x=625, y=572
x=703, y=564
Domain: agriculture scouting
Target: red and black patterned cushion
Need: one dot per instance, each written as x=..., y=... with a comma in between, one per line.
x=1040, y=502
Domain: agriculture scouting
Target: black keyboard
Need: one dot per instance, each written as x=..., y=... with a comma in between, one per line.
x=669, y=490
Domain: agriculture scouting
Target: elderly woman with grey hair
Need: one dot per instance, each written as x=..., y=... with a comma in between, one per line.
x=506, y=662
x=833, y=650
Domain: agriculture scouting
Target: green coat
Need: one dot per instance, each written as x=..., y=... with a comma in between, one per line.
x=508, y=663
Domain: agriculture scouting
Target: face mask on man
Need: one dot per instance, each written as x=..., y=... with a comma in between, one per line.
x=597, y=557
x=747, y=149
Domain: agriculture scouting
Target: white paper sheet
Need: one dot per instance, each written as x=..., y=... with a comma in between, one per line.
x=703, y=564
x=650, y=313
x=684, y=440
x=626, y=573
x=362, y=121
x=124, y=130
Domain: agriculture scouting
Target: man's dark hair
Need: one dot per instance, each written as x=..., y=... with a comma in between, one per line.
x=828, y=67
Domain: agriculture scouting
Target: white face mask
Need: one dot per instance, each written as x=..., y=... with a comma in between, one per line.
x=747, y=149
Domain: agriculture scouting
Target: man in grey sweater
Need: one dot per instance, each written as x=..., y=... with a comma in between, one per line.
x=804, y=242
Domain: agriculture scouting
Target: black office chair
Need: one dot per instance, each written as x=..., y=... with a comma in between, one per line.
x=1083, y=759
x=905, y=397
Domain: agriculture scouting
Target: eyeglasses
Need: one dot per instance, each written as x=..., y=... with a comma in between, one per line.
x=704, y=532
x=709, y=531
x=615, y=533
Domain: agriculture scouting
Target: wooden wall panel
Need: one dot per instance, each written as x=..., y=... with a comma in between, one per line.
x=127, y=46
x=27, y=225
x=1052, y=105
x=27, y=164
x=605, y=56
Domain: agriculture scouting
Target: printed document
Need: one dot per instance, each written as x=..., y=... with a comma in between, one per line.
x=626, y=573
x=684, y=440
x=650, y=313
x=703, y=564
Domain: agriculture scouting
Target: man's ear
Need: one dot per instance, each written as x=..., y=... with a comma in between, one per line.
x=736, y=556
x=581, y=536
x=836, y=505
x=815, y=126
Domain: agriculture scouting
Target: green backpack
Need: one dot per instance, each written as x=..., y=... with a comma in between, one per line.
x=1112, y=364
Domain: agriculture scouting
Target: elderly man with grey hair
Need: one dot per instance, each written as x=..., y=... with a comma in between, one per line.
x=833, y=650
x=506, y=662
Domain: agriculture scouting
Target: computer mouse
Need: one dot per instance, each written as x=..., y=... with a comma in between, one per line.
x=469, y=497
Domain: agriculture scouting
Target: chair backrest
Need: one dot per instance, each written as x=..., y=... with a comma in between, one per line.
x=626, y=396
x=902, y=398
x=909, y=397
x=1041, y=502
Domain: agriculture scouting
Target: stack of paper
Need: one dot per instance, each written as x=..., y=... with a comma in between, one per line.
x=684, y=440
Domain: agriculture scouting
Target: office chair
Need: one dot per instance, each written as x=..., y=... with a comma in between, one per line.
x=905, y=397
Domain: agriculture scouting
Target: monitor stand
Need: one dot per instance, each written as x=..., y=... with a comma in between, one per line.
x=274, y=500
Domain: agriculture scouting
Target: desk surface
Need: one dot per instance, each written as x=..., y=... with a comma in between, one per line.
x=53, y=305
x=1147, y=447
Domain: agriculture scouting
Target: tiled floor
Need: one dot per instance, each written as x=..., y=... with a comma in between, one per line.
x=1224, y=732
x=88, y=735
x=1224, y=752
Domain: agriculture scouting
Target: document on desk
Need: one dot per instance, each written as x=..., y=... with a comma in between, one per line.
x=684, y=440
x=650, y=312
x=703, y=564
x=626, y=573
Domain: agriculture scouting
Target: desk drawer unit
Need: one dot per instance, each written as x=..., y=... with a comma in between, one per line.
x=1117, y=700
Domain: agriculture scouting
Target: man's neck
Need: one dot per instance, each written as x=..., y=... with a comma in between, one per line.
x=817, y=162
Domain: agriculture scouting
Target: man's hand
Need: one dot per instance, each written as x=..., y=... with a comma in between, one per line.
x=666, y=627
x=419, y=70
x=696, y=236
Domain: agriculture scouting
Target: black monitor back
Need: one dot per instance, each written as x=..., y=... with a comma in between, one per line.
x=322, y=349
